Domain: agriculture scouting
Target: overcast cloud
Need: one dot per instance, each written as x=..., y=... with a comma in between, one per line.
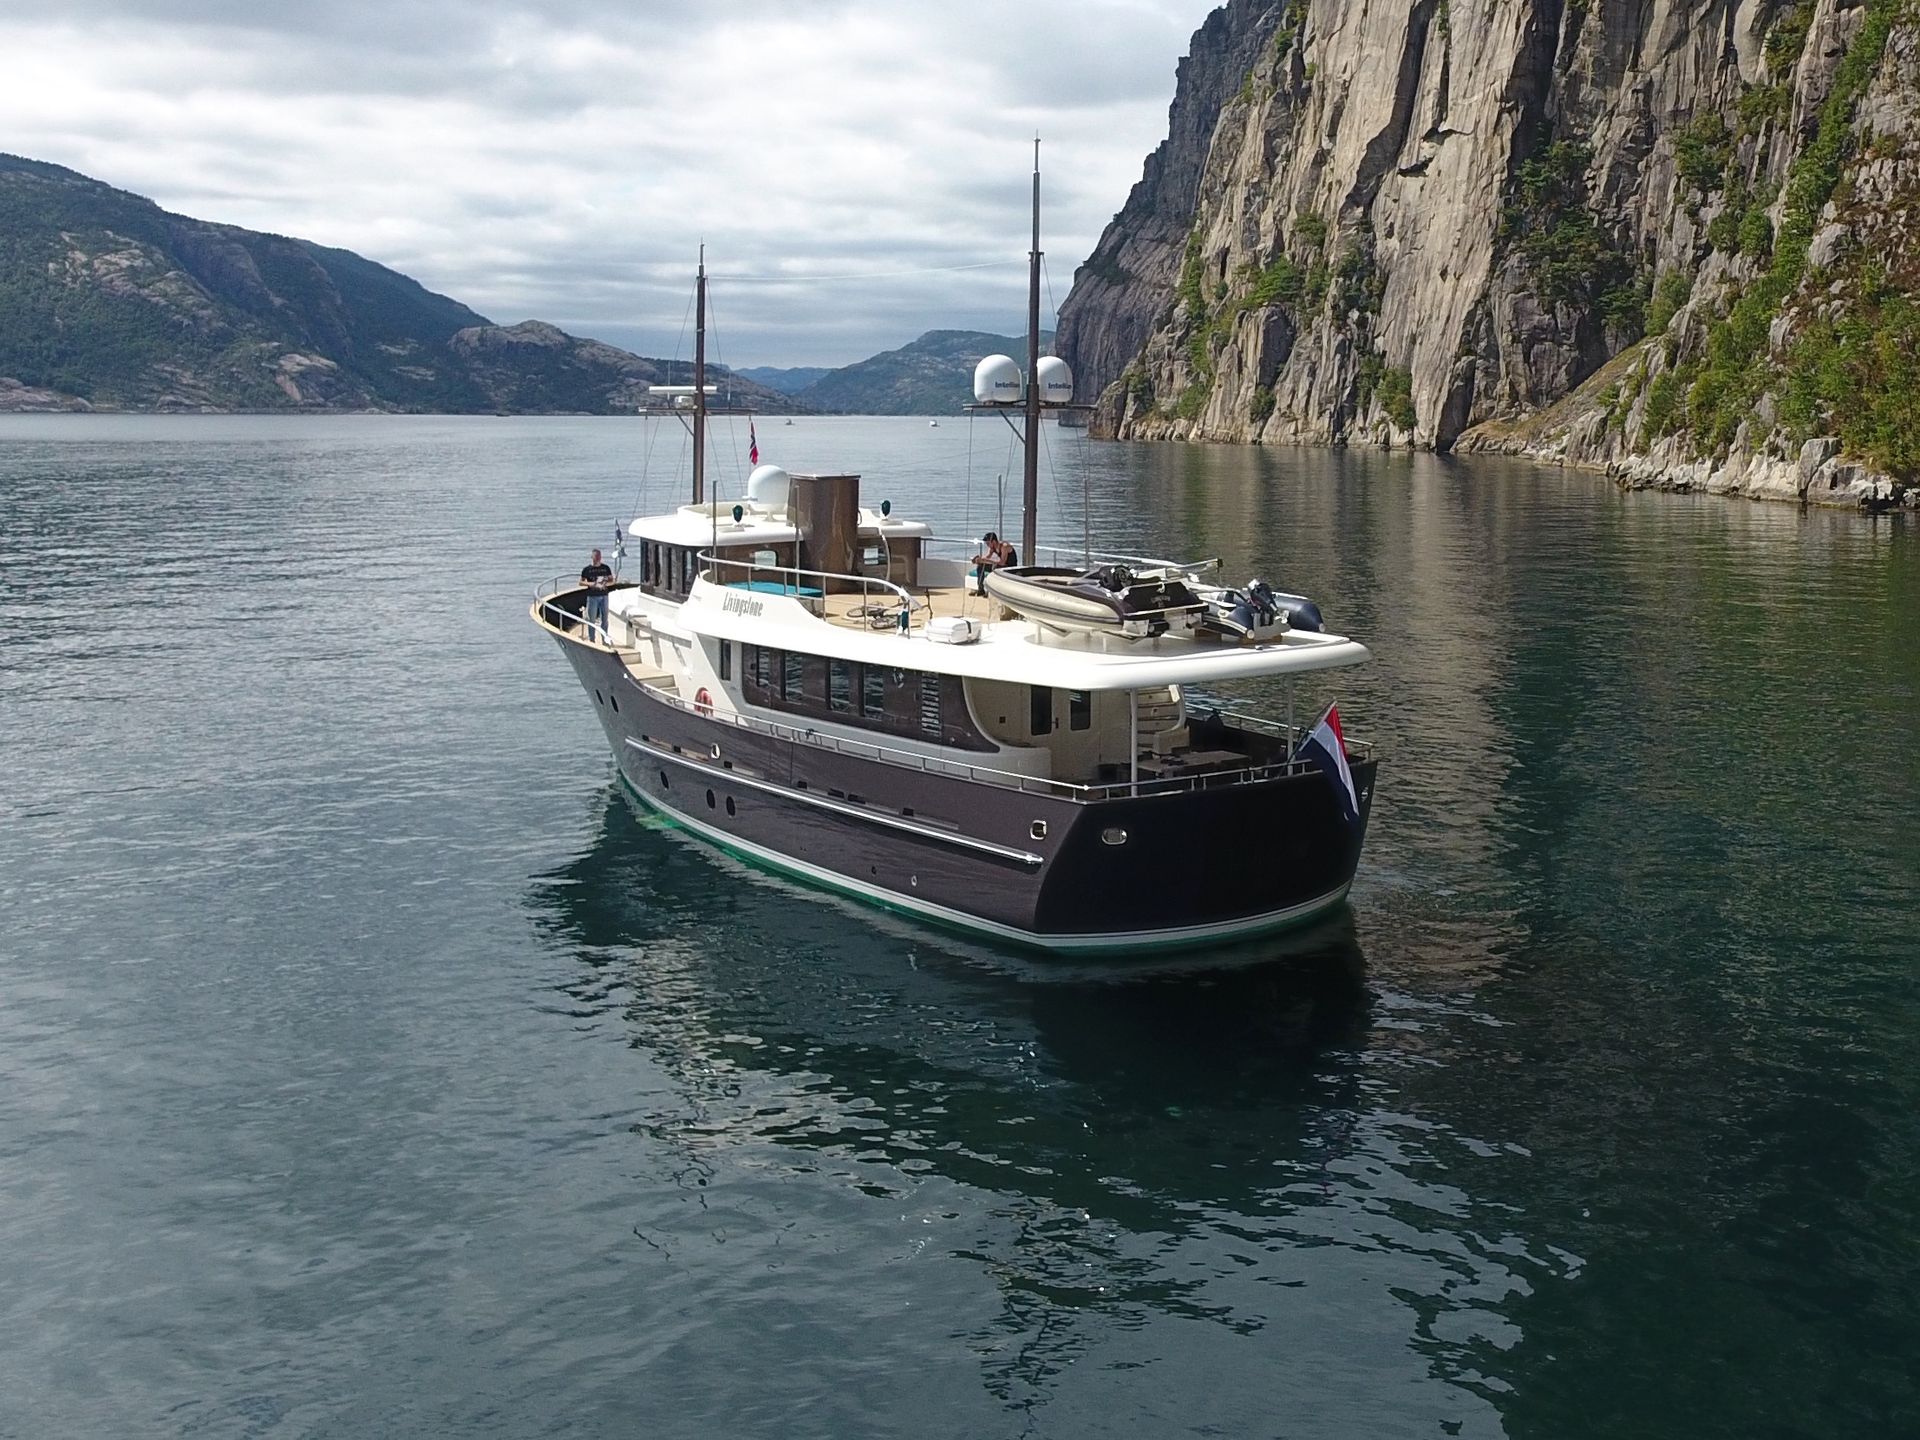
x=563, y=161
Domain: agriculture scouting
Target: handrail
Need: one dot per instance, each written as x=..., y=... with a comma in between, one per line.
x=790, y=575
x=1075, y=555
x=1293, y=734
x=1031, y=784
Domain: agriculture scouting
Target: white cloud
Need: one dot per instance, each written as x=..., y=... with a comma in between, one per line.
x=564, y=163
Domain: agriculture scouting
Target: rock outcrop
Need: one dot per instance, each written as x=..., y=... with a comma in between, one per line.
x=1674, y=241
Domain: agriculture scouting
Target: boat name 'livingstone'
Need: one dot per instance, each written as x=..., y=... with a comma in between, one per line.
x=741, y=605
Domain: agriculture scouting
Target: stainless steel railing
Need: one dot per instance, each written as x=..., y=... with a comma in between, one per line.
x=1068, y=556
x=880, y=600
x=1013, y=779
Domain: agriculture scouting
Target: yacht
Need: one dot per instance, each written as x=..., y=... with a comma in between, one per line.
x=833, y=691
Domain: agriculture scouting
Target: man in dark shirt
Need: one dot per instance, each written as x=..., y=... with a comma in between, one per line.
x=598, y=579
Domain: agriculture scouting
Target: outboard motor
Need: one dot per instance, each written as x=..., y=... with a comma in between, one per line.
x=1114, y=578
x=1254, y=607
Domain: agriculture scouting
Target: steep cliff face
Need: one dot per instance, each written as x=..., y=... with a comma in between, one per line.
x=1670, y=239
x=1119, y=293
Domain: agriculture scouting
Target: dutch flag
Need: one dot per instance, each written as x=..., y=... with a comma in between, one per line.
x=1324, y=746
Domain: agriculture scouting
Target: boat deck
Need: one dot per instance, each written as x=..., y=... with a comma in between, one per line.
x=878, y=611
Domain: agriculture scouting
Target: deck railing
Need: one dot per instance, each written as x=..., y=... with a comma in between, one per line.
x=1068, y=556
x=882, y=602
x=1013, y=779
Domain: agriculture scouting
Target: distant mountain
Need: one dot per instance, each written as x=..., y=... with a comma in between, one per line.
x=109, y=302
x=932, y=376
x=787, y=381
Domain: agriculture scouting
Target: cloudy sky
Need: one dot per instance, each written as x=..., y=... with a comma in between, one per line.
x=563, y=160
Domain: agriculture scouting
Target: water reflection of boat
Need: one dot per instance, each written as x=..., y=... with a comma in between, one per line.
x=900, y=1011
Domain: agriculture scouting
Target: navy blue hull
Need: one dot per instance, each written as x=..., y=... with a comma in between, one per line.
x=1184, y=867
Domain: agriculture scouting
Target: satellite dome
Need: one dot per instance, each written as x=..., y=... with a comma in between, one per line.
x=996, y=381
x=1056, y=381
x=768, y=487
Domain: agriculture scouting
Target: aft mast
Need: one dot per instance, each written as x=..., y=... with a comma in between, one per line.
x=700, y=376
x=1030, y=488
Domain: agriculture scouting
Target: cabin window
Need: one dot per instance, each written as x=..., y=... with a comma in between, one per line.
x=726, y=660
x=1040, y=711
x=908, y=703
x=689, y=568
x=930, y=705
x=1079, y=710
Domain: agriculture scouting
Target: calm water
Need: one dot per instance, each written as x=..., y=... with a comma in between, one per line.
x=368, y=1066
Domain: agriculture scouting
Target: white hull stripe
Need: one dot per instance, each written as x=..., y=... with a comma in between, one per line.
x=855, y=812
x=892, y=900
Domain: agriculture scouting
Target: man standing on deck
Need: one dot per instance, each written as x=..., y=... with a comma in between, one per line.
x=598, y=579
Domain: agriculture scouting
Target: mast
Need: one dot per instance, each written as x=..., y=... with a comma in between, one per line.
x=700, y=372
x=1030, y=493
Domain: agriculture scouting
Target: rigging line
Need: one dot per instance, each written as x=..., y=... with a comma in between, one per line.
x=966, y=523
x=823, y=278
x=733, y=430
x=1082, y=461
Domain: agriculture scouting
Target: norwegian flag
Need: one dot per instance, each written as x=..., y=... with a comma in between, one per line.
x=753, y=445
x=1326, y=747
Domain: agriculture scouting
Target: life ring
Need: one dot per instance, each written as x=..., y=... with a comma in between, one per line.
x=702, y=701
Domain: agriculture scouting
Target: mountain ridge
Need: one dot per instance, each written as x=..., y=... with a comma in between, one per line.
x=108, y=301
x=930, y=375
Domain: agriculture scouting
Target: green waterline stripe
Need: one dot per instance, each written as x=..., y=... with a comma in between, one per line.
x=952, y=925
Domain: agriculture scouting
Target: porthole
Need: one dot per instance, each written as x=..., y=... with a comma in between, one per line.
x=598, y=698
x=1113, y=835
x=709, y=800
x=716, y=752
x=729, y=805
x=663, y=780
x=1038, y=830
x=614, y=700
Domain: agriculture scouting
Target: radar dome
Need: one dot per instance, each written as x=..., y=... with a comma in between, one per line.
x=1056, y=381
x=996, y=381
x=768, y=487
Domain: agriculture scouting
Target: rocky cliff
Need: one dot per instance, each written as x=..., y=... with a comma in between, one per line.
x=1671, y=240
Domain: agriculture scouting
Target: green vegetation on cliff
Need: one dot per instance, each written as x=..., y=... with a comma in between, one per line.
x=1725, y=385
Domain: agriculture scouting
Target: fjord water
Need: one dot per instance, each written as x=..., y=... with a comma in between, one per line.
x=369, y=1065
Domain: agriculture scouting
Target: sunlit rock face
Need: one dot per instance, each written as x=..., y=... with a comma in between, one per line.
x=1665, y=239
